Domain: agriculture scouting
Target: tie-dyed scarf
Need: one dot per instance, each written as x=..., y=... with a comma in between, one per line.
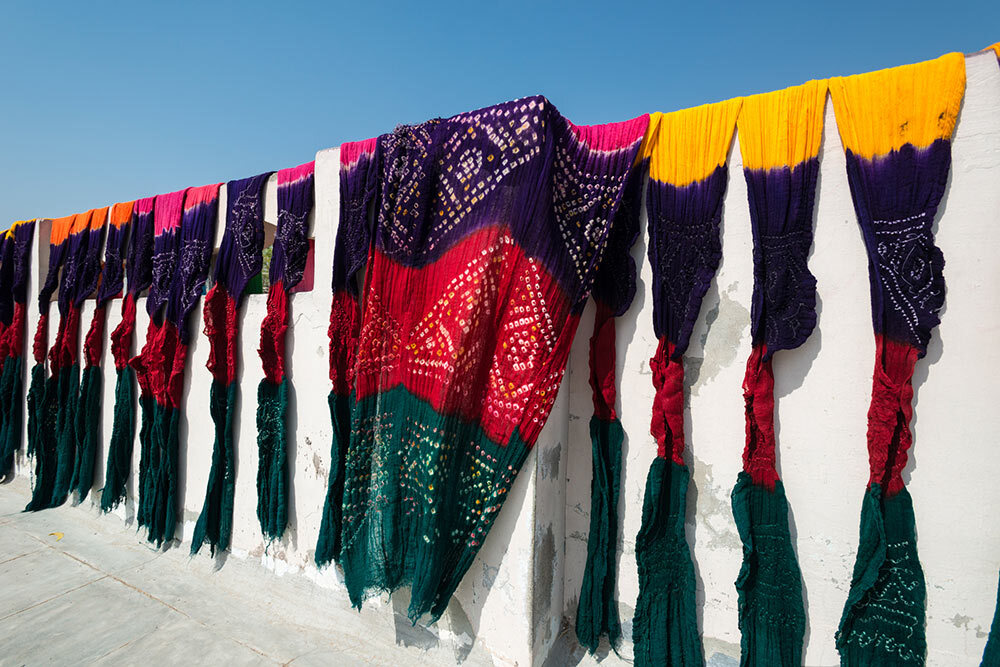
x=488, y=232
x=687, y=181
x=14, y=268
x=779, y=135
x=896, y=127
x=288, y=263
x=138, y=276
x=240, y=259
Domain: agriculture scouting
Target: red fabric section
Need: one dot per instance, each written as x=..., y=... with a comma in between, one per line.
x=64, y=354
x=4, y=329
x=221, y=328
x=12, y=339
x=758, y=393
x=121, y=337
x=140, y=362
x=345, y=317
x=159, y=368
x=602, y=363
x=41, y=342
x=668, y=404
x=889, y=436
x=93, y=343
x=272, y=334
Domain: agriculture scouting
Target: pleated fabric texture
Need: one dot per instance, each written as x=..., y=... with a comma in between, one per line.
x=15, y=265
x=240, y=259
x=779, y=135
x=488, y=231
x=896, y=127
x=138, y=277
x=687, y=181
x=288, y=262
x=184, y=226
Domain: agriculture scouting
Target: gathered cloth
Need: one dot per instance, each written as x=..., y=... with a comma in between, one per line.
x=289, y=255
x=240, y=259
x=184, y=226
x=486, y=234
x=687, y=153
x=896, y=127
x=15, y=265
x=779, y=136
x=137, y=236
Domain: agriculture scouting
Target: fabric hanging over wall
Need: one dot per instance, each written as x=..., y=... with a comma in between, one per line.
x=687, y=181
x=138, y=276
x=182, y=249
x=779, y=136
x=15, y=264
x=488, y=232
x=240, y=259
x=896, y=126
x=288, y=263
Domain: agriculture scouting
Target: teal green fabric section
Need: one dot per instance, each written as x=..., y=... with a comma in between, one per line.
x=42, y=408
x=329, y=542
x=215, y=523
x=665, y=626
x=272, y=458
x=769, y=587
x=119, y=465
x=991, y=654
x=147, y=410
x=597, y=612
x=883, y=620
x=88, y=430
x=11, y=419
x=158, y=494
x=67, y=399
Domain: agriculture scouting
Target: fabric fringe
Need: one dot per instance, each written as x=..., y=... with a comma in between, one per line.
x=67, y=399
x=272, y=464
x=597, y=613
x=41, y=437
x=158, y=497
x=11, y=418
x=328, y=546
x=771, y=609
x=88, y=430
x=147, y=408
x=119, y=465
x=991, y=654
x=883, y=620
x=215, y=523
x=665, y=627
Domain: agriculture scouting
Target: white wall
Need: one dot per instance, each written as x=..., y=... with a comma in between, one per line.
x=527, y=576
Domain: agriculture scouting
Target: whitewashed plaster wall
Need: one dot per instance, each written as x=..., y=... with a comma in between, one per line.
x=519, y=596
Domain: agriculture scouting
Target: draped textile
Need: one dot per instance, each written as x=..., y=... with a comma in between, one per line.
x=687, y=181
x=896, y=127
x=779, y=136
x=488, y=231
x=15, y=263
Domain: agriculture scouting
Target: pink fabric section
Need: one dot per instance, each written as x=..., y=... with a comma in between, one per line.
x=288, y=176
x=169, y=210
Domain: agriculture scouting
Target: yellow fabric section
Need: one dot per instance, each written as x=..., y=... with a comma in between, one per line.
x=783, y=128
x=60, y=228
x=996, y=49
x=688, y=145
x=16, y=224
x=916, y=104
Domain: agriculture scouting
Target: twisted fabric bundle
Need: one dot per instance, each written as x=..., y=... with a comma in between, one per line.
x=240, y=259
x=779, y=135
x=288, y=263
x=139, y=275
x=896, y=126
x=488, y=232
x=687, y=181
x=15, y=261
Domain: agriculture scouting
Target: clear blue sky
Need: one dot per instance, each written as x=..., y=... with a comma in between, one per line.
x=109, y=101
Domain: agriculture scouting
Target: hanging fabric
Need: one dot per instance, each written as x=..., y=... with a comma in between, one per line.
x=15, y=265
x=240, y=259
x=687, y=181
x=896, y=127
x=779, y=137
x=288, y=263
x=139, y=276
x=489, y=228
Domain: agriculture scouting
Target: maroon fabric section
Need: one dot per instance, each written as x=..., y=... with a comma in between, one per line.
x=94, y=342
x=121, y=337
x=64, y=354
x=345, y=320
x=141, y=362
x=889, y=436
x=221, y=328
x=12, y=340
x=41, y=341
x=668, y=403
x=602, y=363
x=272, y=334
x=159, y=368
x=758, y=394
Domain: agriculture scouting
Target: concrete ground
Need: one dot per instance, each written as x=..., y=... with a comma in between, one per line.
x=77, y=588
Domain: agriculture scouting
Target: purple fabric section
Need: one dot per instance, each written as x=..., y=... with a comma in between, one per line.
x=783, y=313
x=57, y=255
x=896, y=197
x=614, y=284
x=196, y=234
x=24, y=235
x=359, y=186
x=90, y=263
x=162, y=270
x=139, y=260
x=242, y=246
x=685, y=248
x=6, y=278
x=291, y=242
x=73, y=269
x=113, y=275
